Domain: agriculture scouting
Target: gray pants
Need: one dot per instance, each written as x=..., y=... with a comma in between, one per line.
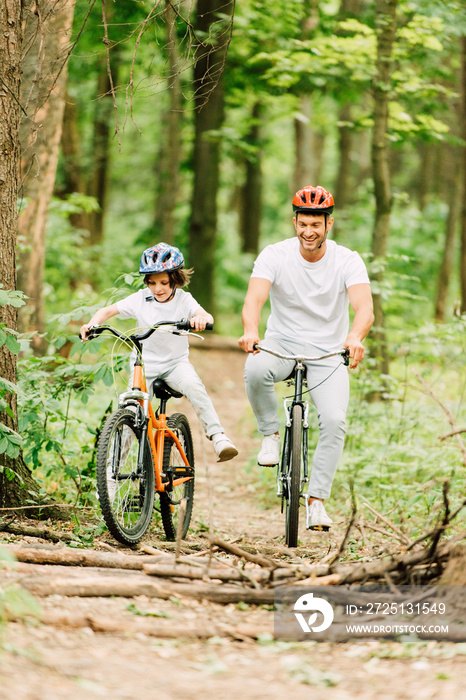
x=184, y=378
x=329, y=390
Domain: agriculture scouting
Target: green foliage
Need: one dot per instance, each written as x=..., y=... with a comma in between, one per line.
x=15, y=602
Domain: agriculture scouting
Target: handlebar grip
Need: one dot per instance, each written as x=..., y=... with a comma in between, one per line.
x=255, y=346
x=185, y=325
x=346, y=357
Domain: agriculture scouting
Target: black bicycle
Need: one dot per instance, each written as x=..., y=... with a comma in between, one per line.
x=293, y=468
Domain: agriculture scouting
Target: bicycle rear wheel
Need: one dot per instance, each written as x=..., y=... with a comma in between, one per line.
x=176, y=502
x=294, y=477
x=126, y=495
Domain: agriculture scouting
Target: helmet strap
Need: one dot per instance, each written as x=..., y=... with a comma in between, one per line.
x=168, y=299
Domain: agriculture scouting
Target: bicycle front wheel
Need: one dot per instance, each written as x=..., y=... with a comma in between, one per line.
x=176, y=502
x=126, y=493
x=294, y=477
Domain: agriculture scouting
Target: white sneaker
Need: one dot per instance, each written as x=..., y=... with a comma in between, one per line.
x=224, y=448
x=316, y=517
x=269, y=455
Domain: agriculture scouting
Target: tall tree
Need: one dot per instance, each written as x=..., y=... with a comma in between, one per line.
x=305, y=168
x=213, y=25
x=16, y=483
x=48, y=30
x=251, y=190
x=170, y=149
x=385, y=32
x=463, y=212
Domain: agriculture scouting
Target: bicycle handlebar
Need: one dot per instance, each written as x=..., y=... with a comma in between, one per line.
x=301, y=358
x=136, y=338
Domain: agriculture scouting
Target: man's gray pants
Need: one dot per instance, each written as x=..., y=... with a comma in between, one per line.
x=329, y=391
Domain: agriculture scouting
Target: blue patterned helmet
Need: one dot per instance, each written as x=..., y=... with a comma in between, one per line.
x=160, y=258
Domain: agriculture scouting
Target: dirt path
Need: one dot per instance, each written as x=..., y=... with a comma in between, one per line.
x=49, y=663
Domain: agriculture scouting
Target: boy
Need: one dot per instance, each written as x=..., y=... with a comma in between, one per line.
x=166, y=356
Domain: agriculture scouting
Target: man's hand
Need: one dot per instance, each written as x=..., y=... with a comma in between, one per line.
x=356, y=350
x=84, y=330
x=246, y=342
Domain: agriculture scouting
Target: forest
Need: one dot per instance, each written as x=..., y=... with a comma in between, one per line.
x=194, y=122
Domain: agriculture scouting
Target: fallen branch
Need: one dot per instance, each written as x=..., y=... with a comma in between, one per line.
x=187, y=571
x=389, y=523
x=132, y=586
x=429, y=392
x=239, y=552
x=457, y=431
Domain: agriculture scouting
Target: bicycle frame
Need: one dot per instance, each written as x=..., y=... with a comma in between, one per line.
x=152, y=425
x=155, y=427
x=298, y=378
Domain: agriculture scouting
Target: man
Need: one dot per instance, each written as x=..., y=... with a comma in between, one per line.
x=311, y=281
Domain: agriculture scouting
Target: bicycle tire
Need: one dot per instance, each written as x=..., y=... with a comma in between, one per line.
x=294, y=477
x=126, y=498
x=171, y=501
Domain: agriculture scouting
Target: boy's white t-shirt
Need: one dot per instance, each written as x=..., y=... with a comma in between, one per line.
x=309, y=301
x=161, y=350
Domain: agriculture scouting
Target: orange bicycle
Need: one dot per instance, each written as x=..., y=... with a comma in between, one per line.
x=141, y=452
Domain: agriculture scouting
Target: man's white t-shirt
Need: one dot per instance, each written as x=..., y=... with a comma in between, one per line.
x=309, y=301
x=161, y=350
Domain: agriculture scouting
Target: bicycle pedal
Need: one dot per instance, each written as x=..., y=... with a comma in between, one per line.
x=319, y=528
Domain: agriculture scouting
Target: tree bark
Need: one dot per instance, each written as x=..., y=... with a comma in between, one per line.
x=16, y=483
x=251, y=191
x=385, y=29
x=97, y=185
x=463, y=212
x=213, y=20
x=43, y=96
x=452, y=195
x=169, y=157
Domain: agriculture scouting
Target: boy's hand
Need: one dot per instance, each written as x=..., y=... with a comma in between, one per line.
x=199, y=322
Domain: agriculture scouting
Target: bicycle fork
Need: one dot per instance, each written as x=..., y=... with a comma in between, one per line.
x=282, y=475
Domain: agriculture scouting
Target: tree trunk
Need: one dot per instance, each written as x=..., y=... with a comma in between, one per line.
x=103, y=119
x=306, y=169
x=169, y=157
x=348, y=9
x=72, y=171
x=16, y=484
x=305, y=160
x=213, y=20
x=251, y=191
x=43, y=96
x=452, y=195
x=385, y=29
x=463, y=212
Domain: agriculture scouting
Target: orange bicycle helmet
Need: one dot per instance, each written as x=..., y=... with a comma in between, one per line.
x=313, y=200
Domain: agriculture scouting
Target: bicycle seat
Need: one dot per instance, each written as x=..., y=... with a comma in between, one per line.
x=163, y=391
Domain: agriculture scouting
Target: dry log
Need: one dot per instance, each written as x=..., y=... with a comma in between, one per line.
x=152, y=627
x=129, y=587
x=189, y=571
x=65, y=556
x=45, y=533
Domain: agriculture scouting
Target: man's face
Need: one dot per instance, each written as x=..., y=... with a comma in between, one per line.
x=312, y=230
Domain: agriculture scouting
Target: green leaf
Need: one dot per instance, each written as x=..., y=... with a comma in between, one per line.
x=13, y=345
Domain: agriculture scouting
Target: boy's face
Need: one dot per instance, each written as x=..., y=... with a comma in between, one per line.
x=159, y=285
